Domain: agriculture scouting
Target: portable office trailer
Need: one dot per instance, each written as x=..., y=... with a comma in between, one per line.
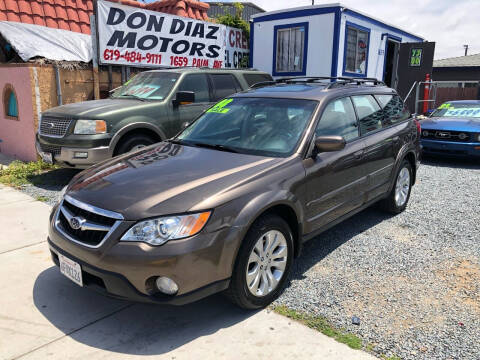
x=327, y=40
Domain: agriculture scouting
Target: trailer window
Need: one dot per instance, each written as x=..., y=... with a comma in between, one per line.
x=290, y=48
x=356, y=50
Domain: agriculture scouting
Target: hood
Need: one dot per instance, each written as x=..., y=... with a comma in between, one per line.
x=451, y=124
x=98, y=109
x=165, y=179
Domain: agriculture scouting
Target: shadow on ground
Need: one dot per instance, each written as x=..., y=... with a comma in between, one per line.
x=451, y=162
x=322, y=245
x=54, y=179
x=129, y=328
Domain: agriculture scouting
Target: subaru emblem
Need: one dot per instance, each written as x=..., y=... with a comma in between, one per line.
x=76, y=222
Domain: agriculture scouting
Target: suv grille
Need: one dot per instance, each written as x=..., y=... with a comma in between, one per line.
x=54, y=126
x=88, y=227
x=55, y=150
x=459, y=136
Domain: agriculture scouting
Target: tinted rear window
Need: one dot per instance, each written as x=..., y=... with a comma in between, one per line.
x=252, y=79
x=224, y=85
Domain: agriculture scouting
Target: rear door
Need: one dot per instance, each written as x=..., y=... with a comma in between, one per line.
x=335, y=181
x=184, y=114
x=379, y=144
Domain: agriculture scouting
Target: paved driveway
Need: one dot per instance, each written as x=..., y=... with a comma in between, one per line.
x=42, y=314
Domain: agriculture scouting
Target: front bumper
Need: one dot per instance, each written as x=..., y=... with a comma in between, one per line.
x=450, y=148
x=117, y=286
x=200, y=265
x=68, y=156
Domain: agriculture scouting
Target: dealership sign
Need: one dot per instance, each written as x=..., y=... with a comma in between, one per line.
x=138, y=37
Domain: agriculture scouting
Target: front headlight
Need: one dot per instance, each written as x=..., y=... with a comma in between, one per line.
x=159, y=231
x=478, y=137
x=90, y=127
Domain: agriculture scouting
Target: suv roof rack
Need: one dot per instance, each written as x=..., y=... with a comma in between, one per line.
x=334, y=81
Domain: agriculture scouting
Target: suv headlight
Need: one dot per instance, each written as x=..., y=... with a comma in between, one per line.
x=478, y=137
x=159, y=231
x=90, y=127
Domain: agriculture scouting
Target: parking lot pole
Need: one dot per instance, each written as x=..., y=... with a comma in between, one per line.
x=93, y=29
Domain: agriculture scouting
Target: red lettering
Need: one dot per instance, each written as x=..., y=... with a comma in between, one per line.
x=238, y=35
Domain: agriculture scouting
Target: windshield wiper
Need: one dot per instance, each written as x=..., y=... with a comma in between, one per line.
x=216, y=147
x=132, y=96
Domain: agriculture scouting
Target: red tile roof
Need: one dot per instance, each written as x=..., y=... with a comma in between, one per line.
x=74, y=15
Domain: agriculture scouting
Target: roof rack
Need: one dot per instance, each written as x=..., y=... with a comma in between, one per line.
x=333, y=81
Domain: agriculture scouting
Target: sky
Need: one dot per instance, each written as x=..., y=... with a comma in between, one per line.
x=450, y=23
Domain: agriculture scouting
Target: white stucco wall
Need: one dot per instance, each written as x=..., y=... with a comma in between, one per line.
x=320, y=43
x=377, y=45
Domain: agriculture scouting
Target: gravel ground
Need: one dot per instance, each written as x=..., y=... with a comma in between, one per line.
x=413, y=279
x=51, y=183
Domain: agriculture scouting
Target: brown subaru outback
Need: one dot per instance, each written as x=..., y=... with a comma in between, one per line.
x=227, y=204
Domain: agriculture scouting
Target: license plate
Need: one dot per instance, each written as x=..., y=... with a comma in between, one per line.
x=71, y=269
x=47, y=157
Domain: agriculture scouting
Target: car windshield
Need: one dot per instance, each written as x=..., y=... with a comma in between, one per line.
x=458, y=110
x=259, y=126
x=148, y=85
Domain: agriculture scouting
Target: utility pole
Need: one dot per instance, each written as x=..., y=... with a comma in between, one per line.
x=313, y=2
x=466, y=49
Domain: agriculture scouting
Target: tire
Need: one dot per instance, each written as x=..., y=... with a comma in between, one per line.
x=265, y=230
x=395, y=203
x=133, y=142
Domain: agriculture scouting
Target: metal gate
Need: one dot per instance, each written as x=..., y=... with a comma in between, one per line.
x=442, y=91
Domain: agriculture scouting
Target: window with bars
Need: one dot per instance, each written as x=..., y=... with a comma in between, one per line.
x=356, y=51
x=290, y=49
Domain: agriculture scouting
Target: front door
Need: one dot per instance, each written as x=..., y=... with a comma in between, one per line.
x=391, y=63
x=184, y=114
x=335, y=181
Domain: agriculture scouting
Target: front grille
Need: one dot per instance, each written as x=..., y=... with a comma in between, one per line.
x=54, y=125
x=442, y=135
x=55, y=150
x=92, y=238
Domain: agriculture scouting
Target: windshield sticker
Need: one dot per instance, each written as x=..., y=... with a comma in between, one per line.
x=142, y=91
x=445, y=106
x=467, y=112
x=220, y=107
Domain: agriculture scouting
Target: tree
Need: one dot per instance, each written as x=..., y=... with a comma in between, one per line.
x=237, y=22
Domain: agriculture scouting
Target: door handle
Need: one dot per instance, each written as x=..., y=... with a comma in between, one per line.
x=358, y=154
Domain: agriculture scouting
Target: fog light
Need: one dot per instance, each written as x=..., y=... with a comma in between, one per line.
x=80, y=155
x=166, y=285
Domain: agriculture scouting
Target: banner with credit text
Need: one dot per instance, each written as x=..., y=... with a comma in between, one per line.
x=236, y=48
x=138, y=37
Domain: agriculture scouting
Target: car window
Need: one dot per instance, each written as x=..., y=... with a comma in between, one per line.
x=458, y=109
x=369, y=113
x=393, y=109
x=252, y=79
x=197, y=83
x=224, y=85
x=338, y=119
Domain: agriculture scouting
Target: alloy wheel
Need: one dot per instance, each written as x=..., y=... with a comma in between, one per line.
x=402, y=187
x=266, y=263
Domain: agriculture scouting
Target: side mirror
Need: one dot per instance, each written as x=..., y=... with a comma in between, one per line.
x=184, y=98
x=329, y=143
